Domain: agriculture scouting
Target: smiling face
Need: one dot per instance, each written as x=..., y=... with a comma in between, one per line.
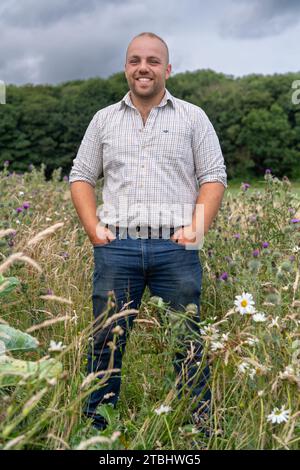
x=147, y=67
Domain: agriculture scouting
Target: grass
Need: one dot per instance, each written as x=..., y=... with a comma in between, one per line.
x=254, y=365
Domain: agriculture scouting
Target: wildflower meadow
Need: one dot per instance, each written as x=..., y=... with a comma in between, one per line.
x=250, y=327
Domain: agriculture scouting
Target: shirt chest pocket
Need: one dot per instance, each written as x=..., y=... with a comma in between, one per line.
x=173, y=143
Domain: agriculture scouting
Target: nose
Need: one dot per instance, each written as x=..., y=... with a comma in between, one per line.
x=144, y=67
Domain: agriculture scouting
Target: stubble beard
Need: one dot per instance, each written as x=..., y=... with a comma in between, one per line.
x=146, y=94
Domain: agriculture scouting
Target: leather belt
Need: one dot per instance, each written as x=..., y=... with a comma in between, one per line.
x=143, y=232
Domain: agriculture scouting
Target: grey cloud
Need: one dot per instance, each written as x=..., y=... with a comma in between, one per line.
x=62, y=45
x=33, y=13
x=46, y=41
x=258, y=19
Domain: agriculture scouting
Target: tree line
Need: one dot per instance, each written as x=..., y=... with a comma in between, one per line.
x=254, y=116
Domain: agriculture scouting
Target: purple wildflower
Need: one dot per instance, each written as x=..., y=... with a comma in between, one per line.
x=245, y=186
x=66, y=178
x=268, y=171
x=292, y=210
x=224, y=276
x=255, y=253
x=19, y=209
x=237, y=235
x=49, y=292
x=6, y=163
x=294, y=221
x=26, y=205
x=292, y=258
x=265, y=244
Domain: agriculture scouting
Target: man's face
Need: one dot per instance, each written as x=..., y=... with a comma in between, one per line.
x=146, y=67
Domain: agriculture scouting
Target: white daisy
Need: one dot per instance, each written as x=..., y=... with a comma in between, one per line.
x=162, y=409
x=210, y=332
x=56, y=347
x=290, y=372
x=252, y=341
x=216, y=345
x=259, y=317
x=279, y=415
x=244, y=303
x=243, y=366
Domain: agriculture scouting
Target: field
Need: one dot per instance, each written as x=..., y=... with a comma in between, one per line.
x=252, y=248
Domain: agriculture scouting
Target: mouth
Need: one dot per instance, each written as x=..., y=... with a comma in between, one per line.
x=144, y=79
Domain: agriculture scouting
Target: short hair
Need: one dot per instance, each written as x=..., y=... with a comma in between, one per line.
x=151, y=35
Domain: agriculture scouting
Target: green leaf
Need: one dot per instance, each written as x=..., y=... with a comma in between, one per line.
x=13, y=370
x=7, y=284
x=108, y=412
x=16, y=340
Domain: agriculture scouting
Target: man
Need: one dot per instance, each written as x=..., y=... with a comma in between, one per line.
x=154, y=151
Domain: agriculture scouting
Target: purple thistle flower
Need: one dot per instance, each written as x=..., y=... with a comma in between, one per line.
x=255, y=253
x=294, y=221
x=224, y=276
x=66, y=178
x=292, y=258
x=26, y=205
x=237, y=235
x=268, y=171
x=19, y=209
x=265, y=244
x=245, y=186
x=292, y=210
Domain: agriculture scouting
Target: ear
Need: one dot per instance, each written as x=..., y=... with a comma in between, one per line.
x=168, y=71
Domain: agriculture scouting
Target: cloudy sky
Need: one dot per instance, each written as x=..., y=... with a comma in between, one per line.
x=51, y=41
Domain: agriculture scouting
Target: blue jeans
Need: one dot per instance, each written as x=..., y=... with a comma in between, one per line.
x=127, y=266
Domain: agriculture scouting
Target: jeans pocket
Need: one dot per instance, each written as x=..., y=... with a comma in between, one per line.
x=173, y=242
x=99, y=245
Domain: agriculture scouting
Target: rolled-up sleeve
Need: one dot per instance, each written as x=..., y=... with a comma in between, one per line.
x=208, y=157
x=88, y=164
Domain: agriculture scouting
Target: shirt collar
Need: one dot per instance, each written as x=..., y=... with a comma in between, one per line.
x=166, y=98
